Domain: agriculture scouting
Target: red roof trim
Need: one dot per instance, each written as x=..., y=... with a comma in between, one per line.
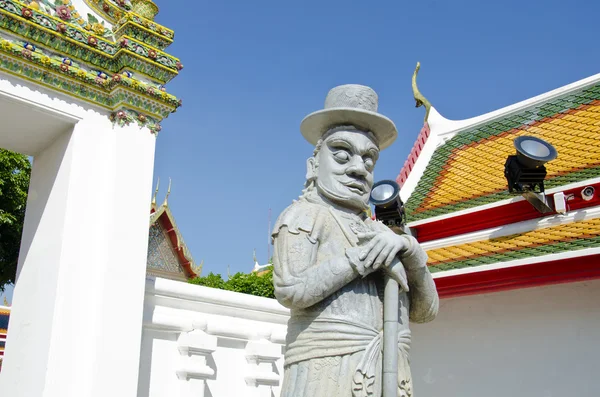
x=525, y=276
x=497, y=216
x=183, y=261
x=413, y=155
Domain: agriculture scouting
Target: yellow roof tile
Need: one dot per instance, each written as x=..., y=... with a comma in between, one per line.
x=478, y=169
x=541, y=237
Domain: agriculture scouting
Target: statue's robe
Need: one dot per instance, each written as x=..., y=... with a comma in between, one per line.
x=335, y=331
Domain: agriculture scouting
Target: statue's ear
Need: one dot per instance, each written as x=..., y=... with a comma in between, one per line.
x=311, y=169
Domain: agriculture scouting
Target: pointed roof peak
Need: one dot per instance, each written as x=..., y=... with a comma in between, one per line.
x=165, y=203
x=155, y=193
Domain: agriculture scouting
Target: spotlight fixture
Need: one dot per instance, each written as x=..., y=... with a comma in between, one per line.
x=525, y=171
x=389, y=208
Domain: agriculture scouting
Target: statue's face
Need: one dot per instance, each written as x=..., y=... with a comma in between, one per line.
x=345, y=168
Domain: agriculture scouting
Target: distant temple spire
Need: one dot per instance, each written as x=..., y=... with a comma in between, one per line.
x=168, y=193
x=155, y=192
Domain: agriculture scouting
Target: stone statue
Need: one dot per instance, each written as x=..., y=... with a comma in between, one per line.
x=330, y=259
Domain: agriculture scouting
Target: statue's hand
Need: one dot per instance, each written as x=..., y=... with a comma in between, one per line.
x=396, y=253
x=353, y=255
x=381, y=248
x=384, y=246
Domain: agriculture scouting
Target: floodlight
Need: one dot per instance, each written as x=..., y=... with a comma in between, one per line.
x=525, y=171
x=389, y=208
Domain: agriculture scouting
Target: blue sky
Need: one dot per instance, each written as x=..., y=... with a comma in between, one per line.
x=254, y=69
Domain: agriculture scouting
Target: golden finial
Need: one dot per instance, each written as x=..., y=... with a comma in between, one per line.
x=5, y=302
x=155, y=192
x=254, y=256
x=421, y=100
x=168, y=192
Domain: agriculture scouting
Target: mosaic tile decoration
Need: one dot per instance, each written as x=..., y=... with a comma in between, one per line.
x=160, y=251
x=468, y=170
x=4, y=314
x=551, y=240
x=124, y=69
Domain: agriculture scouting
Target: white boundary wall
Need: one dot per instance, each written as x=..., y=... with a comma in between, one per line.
x=205, y=342
x=537, y=342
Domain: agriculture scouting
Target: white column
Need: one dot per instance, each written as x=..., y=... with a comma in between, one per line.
x=75, y=327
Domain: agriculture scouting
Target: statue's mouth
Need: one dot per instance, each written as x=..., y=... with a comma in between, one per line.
x=356, y=187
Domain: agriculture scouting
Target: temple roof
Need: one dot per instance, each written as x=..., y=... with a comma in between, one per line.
x=478, y=236
x=465, y=169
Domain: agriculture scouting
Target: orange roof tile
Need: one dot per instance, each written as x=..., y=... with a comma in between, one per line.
x=567, y=237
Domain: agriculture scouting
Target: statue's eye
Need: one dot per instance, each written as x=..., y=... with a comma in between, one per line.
x=341, y=156
x=369, y=163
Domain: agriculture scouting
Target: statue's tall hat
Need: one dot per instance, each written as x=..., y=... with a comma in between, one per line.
x=350, y=104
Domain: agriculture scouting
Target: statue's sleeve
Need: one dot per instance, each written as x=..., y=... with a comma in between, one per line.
x=424, y=300
x=299, y=280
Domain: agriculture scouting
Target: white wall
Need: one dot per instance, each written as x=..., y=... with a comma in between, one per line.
x=534, y=342
x=538, y=342
x=200, y=341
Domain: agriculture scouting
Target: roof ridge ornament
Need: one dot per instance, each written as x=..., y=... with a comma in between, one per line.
x=155, y=192
x=419, y=98
x=165, y=204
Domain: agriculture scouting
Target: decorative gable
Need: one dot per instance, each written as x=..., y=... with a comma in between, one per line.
x=162, y=259
x=168, y=255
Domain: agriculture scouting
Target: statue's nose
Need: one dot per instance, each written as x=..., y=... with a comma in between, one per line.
x=357, y=167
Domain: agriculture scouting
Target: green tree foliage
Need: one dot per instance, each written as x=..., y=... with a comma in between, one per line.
x=15, y=170
x=252, y=283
